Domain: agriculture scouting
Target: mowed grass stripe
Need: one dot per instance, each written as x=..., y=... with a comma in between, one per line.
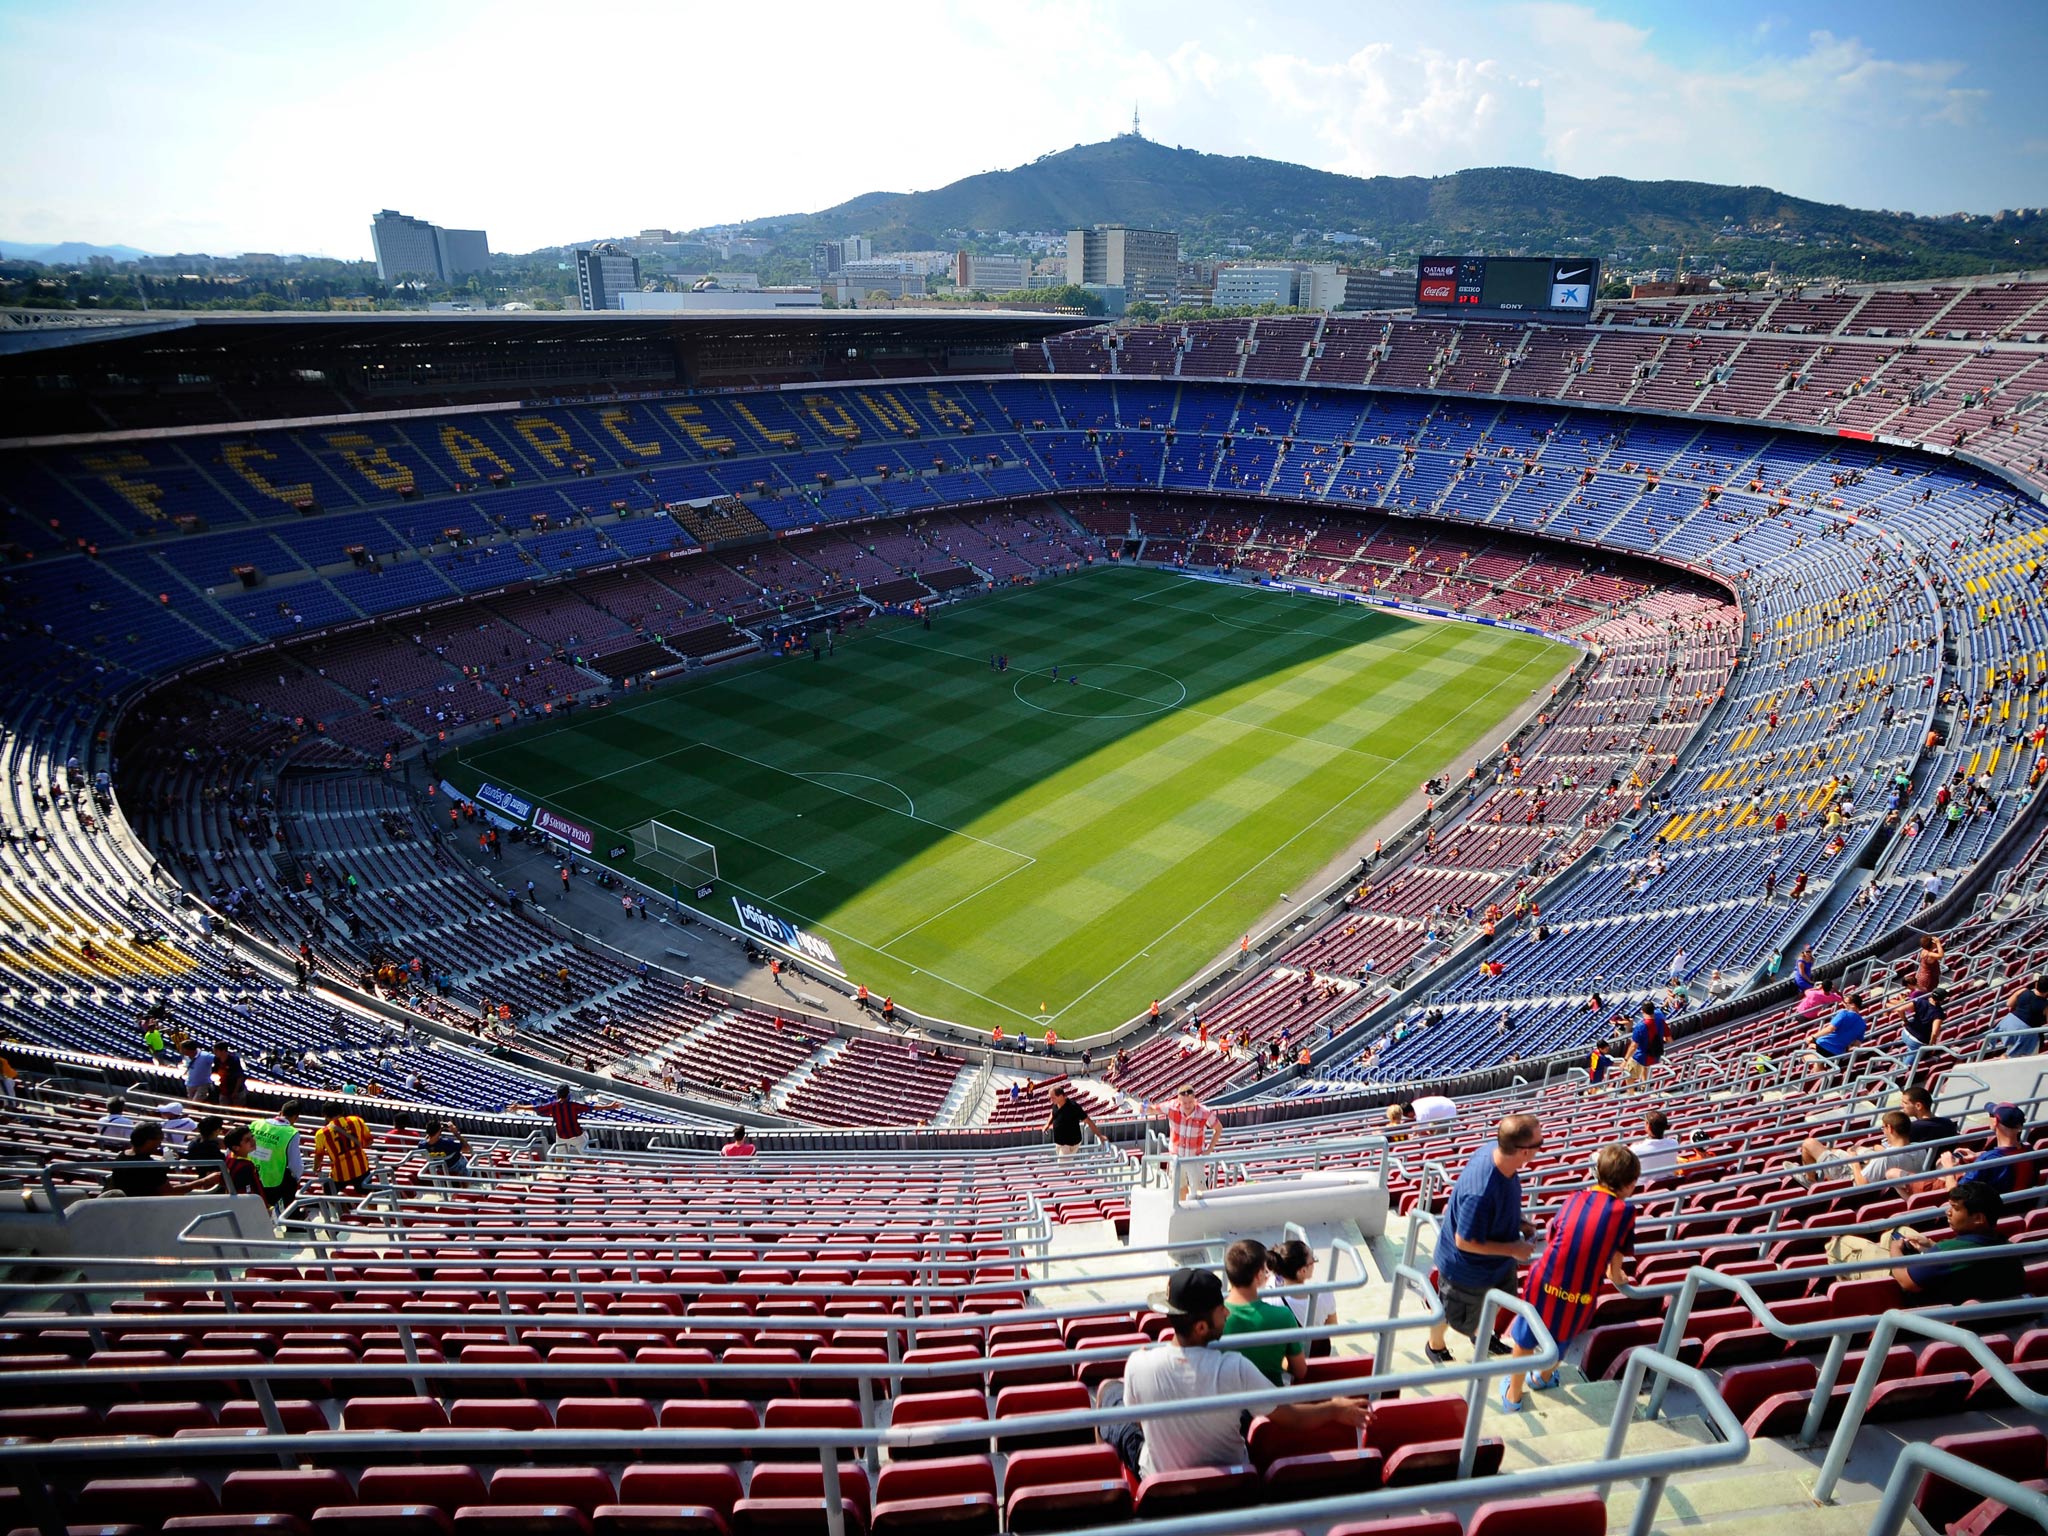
x=1048, y=853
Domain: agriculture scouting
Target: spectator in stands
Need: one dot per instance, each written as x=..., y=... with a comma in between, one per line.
x=1894, y=1157
x=2003, y=1164
x=137, y=1169
x=116, y=1123
x=1817, y=1000
x=565, y=1119
x=1482, y=1236
x=179, y=1128
x=447, y=1150
x=1844, y=1032
x=1924, y=966
x=233, y=1081
x=342, y=1146
x=1430, y=1109
x=1183, y=1368
x=1647, y=1042
x=2027, y=1012
x=1192, y=1131
x=739, y=1144
x=206, y=1146
x=238, y=1152
x=1927, y=1125
x=1065, y=1122
x=280, y=1154
x=1293, y=1263
x=1245, y=1267
x=1922, y=1024
x=1656, y=1152
x=1973, y=1215
x=1581, y=1252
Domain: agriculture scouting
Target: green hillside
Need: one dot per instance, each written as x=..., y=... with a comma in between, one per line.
x=1216, y=200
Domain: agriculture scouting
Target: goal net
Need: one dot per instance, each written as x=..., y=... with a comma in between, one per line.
x=687, y=860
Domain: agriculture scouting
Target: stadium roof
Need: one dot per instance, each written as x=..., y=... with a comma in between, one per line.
x=26, y=331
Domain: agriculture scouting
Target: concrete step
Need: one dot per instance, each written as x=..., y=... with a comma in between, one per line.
x=1741, y=1500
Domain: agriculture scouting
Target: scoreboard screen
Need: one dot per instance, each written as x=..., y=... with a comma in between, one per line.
x=1558, y=287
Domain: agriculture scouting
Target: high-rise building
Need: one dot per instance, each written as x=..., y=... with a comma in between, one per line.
x=405, y=248
x=856, y=248
x=603, y=272
x=414, y=249
x=991, y=274
x=1143, y=262
x=461, y=251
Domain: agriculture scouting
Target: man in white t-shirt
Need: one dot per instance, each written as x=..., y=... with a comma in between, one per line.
x=1434, y=1107
x=1185, y=1367
x=1658, y=1151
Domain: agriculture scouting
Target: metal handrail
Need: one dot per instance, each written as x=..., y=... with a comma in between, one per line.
x=1836, y=1331
x=28, y=1461
x=1920, y=1457
x=1889, y=1327
x=881, y=1322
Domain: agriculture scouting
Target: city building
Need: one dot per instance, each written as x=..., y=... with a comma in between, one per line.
x=1245, y=286
x=603, y=273
x=405, y=248
x=413, y=249
x=1385, y=289
x=461, y=252
x=1143, y=262
x=991, y=274
x=893, y=278
x=720, y=299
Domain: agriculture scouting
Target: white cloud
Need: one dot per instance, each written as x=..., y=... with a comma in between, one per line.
x=1386, y=110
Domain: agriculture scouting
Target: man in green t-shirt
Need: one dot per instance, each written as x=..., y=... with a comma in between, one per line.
x=1245, y=1267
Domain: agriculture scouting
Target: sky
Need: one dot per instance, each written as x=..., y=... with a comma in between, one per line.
x=225, y=127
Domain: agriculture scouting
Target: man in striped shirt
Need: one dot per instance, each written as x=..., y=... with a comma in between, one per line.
x=565, y=1116
x=1581, y=1253
x=342, y=1147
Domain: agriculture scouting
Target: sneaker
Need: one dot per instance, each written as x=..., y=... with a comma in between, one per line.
x=1437, y=1356
x=1510, y=1404
x=1499, y=1347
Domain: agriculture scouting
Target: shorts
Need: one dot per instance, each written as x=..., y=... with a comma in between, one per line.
x=1196, y=1176
x=1066, y=1148
x=1521, y=1336
x=568, y=1144
x=1462, y=1305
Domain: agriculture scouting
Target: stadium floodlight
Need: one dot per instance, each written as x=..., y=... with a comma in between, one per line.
x=690, y=861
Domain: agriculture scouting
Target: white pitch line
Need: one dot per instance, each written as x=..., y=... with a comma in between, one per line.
x=1139, y=951
x=970, y=896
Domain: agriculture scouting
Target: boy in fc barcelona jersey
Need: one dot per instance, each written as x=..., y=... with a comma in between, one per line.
x=1582, y=1252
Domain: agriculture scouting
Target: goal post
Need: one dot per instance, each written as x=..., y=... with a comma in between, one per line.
x=687, y=860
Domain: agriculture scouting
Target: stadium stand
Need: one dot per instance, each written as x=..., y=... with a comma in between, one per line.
x=1809, y=714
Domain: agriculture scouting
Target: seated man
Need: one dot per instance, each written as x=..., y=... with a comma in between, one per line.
x=1843, y=1032
x=2004, y=1165
x=1657, y=1151
x=1182, y=1367
x=1918, y=1102
x=1973, y=1214
x=1894, y=1157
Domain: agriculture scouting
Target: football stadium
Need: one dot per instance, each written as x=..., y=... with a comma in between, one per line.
x=762, y=922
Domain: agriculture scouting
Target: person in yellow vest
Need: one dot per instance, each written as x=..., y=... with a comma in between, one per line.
x=342, y=1148
x=280, y=1159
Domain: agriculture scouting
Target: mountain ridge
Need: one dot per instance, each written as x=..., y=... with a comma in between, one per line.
x=1223, y=200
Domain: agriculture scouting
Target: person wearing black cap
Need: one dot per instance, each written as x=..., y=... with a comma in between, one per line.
x=2003, y=1165
x=1184, y=1367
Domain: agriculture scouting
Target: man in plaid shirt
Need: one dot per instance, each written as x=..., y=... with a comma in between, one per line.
x=1192, y=1130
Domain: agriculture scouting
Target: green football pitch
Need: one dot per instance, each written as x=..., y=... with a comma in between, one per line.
x=1005, y=848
